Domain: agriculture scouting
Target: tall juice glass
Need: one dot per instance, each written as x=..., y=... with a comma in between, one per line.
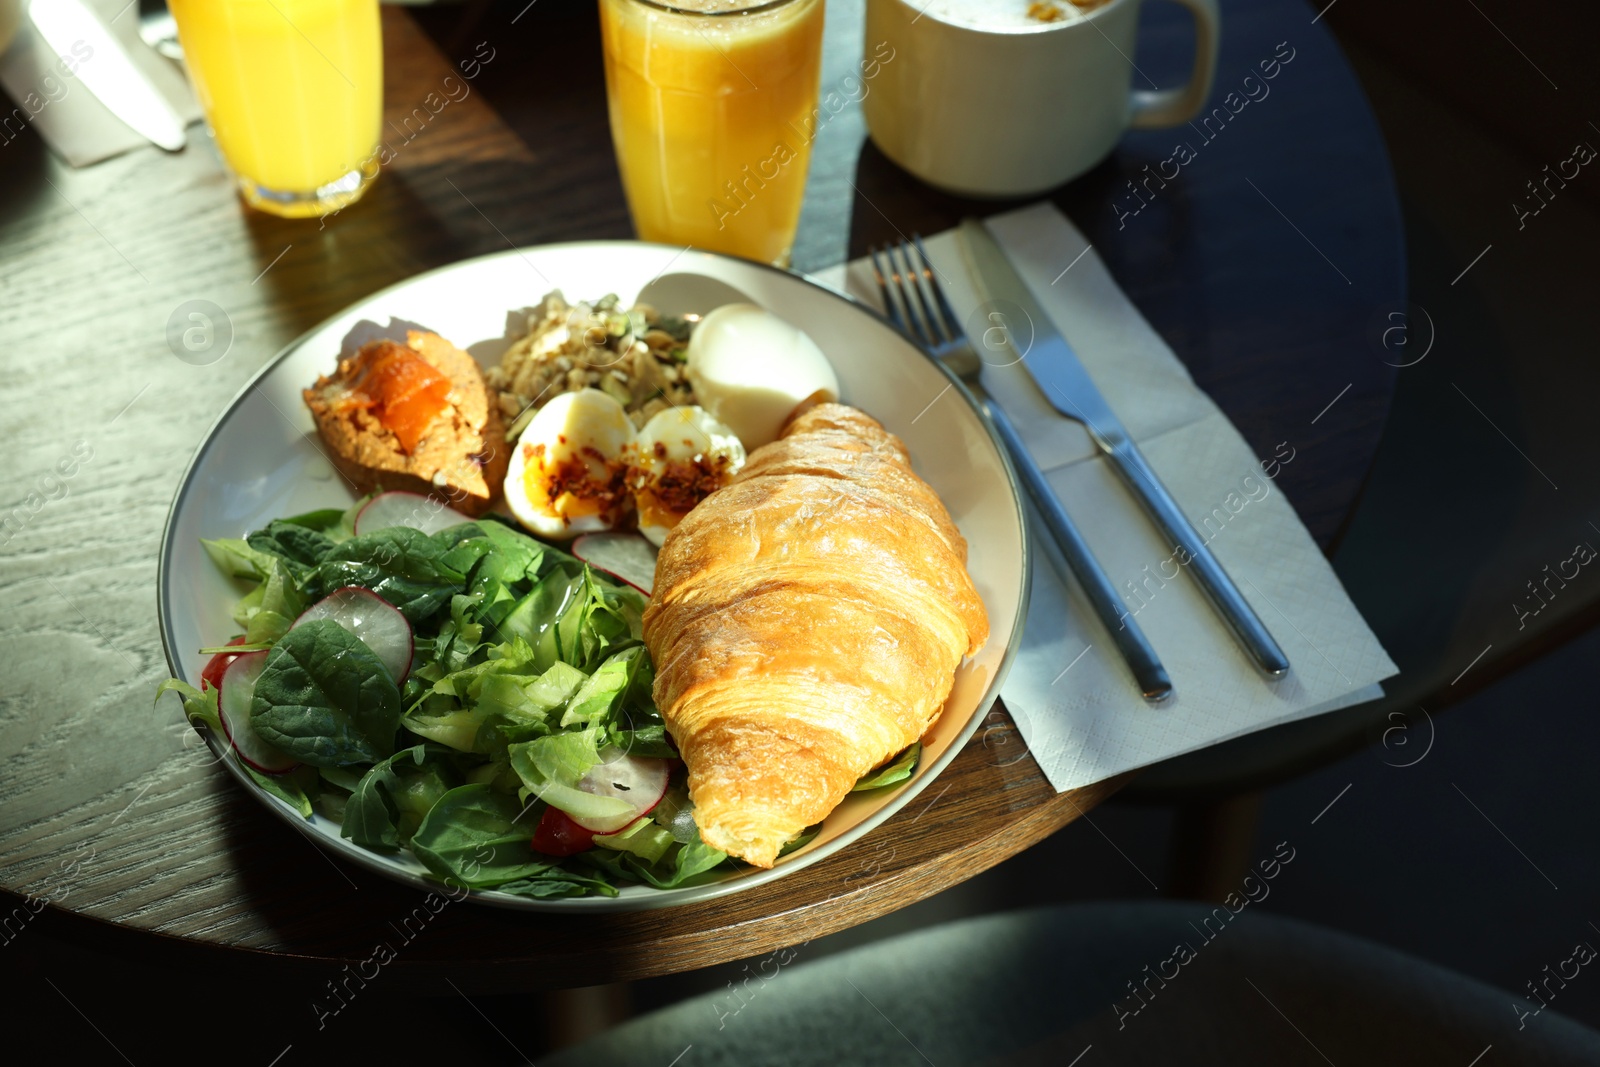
x=293, y=93
x=713, y=108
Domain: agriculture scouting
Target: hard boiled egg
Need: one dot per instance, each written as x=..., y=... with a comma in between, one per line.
x=751, y=369
x=569, y=472
x=683, y=456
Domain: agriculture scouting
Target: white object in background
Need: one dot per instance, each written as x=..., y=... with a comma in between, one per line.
x=46, y=95
x=67, y=25
x=979, y=100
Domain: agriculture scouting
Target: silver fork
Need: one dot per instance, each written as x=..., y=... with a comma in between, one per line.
x=917, y=305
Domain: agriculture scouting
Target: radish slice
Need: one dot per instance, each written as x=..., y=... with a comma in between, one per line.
x=407, y=509
x=627, y=557
x=233, y=707
x=639, y=781
x=377, y=623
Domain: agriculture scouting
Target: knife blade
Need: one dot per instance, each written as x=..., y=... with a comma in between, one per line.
x=1061, y=377
x=109, y=72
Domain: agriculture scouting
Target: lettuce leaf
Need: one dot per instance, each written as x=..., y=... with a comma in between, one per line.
x=528, y=667
x=235, y=558
x=895, y=771
x=551, y=767
x=602, y=692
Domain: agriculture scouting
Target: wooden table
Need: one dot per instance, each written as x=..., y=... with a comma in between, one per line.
x=1265, y=266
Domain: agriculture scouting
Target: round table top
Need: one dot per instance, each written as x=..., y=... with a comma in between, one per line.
x=1265, y=265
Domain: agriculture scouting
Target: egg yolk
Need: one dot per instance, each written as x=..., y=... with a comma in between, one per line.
x=575, y=483
x=404, y=391
x=667, y=489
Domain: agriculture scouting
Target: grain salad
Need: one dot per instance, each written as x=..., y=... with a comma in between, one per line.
x=636, y=356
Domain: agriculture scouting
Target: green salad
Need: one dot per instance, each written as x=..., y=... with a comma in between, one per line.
x=470, y=695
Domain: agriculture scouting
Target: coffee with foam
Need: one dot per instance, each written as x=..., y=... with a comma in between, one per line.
x=1010, y=16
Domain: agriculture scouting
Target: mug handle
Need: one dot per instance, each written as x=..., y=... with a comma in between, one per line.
x=1171, y=107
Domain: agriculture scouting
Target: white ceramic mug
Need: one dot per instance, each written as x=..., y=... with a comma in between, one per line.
x=1016, y=108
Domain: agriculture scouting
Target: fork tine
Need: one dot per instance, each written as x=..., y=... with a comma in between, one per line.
x=912, y=293
x=920, y=277
x=891, y=302
x=907, y=314
x=948, y=322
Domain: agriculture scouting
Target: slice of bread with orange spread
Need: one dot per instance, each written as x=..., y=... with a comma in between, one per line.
x=416, y=417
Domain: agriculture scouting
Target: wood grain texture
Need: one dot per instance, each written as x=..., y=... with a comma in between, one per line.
x=109, y=808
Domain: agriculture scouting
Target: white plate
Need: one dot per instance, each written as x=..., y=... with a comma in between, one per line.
x=262, y=461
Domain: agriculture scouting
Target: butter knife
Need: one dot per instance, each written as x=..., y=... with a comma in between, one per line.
x=1065, y=383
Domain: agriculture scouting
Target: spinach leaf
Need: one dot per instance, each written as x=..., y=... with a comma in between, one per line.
x=299, y=546
x=692, y=859
x=677, y=868
x=344, y=778
x=516, y=555
x=896, y=770
x=460, y=533
x=406, y=567
x=462, y=554
x=324, y=698
x=579, y=619
x=478, y=838
x=393, y=798
x=800, y=840
x=503, y=574
x=646, y=742
x=324, y=520
x=557, y=881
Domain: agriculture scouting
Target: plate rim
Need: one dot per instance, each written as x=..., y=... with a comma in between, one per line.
x=657, y=898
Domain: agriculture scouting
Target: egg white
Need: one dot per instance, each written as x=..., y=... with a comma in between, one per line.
x=750, y=369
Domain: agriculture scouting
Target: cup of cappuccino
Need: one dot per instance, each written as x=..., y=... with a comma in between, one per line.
x=1004, y=98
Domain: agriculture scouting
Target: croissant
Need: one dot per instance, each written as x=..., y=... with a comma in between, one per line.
x=806, y=625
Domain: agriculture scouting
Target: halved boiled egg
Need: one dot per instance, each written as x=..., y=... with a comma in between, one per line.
x=569, y=471
x=683, y=456
x=750, y=369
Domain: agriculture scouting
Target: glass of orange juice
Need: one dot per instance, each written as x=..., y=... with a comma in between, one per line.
x=713, y=107
x=293, y=93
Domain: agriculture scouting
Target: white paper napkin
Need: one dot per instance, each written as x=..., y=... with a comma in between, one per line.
x=46, y=95
x=1071, y=695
